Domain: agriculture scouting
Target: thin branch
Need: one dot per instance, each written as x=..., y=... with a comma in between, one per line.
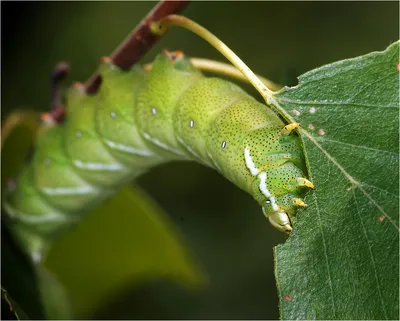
x=139, y=41
x=60, y=72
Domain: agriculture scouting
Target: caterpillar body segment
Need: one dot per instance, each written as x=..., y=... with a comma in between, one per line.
x=140, y=119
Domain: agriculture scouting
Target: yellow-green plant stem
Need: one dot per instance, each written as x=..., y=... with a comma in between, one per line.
x=223, y=69
x=161, y=27
x=27, y=118
x=227, y=70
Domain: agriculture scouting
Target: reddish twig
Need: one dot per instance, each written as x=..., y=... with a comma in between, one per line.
x=60, y=72
x=129, y=52
x=140, y=40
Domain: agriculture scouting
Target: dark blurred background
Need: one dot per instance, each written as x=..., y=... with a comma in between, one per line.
x=223, y=227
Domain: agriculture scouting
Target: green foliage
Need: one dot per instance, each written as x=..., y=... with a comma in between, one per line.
x=20, y=127
x=124, y=242
x=342, y=261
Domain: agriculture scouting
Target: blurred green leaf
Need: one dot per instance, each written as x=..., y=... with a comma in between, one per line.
x=18, y=133
x=54, y=296
x=18, y=278
x=342, y=261
x=125, y=241
x=31, y=290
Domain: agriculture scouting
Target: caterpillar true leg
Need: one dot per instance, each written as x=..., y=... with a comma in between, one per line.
x=299, y=202
x=303, y=182
x=288, y=129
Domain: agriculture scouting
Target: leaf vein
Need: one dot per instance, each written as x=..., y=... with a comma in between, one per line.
x=380, y=189
x=334, y=103
x=349, y=177
x=326, y=256
x=372, y=83
x=371, y=255
x=357, y=146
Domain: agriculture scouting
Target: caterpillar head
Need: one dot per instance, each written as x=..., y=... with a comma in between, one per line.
x=280, y=209
x=281, y=221
x=279, y=191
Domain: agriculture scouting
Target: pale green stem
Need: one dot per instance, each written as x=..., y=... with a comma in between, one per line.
x=160, y=27
x=223, y=69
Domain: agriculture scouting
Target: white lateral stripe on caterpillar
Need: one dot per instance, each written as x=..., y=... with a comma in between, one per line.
x=53, y=216
x=99, y=166
x=190, y=150
x=265, y=191
x=69, y=190
x=128, y=149
x=262, y=176
x=214, y=162
x=162, y=145
x=249, y=162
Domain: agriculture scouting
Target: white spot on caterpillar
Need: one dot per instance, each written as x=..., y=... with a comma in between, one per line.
x=47, y=161
x=36, y=256
x=128, y=149
x=265, y=191
x=296, y=112
x=311, y=126
x=78, y=134
x=98, y=166
x=190, y=150
x=312, y=110
x=214, y=162
x=81, y=190
x=154, y=111
x=249, y=162
x=113, y=115
x=162, y=145
x=321, y=132
x=191, y=123
x=223, y=145
x=267, y=202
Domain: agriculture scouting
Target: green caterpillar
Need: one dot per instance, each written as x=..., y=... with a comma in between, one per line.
x=139, y=119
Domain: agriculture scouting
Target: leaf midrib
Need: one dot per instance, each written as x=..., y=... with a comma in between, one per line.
x=349, y=177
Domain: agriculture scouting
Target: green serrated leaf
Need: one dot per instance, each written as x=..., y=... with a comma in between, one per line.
x=124, y=242
x=342, y=261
